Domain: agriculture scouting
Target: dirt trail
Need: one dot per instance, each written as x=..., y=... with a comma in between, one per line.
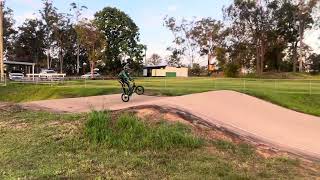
x=245, y=115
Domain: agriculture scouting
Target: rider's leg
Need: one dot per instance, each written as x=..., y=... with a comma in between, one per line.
x=129, y=86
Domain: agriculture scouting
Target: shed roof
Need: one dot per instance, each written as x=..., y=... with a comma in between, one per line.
x=19, y=63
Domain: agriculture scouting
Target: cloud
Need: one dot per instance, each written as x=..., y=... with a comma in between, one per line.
x=172, y=8
x=28, y=15
x=32, y=3
x=312, y=39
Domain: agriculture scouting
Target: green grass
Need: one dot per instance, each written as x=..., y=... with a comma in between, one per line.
x=129, y=132
x=301, y=95
x=283, y=75
x=39, y=145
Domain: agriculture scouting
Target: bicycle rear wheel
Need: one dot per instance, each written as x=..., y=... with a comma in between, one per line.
x=125, y=98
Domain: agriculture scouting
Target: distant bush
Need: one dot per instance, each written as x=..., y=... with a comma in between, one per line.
x=129, y=132
x=231, y=70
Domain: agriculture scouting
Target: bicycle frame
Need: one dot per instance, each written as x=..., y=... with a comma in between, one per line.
x=124, y=90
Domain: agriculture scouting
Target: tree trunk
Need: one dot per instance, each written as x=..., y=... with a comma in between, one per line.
x=37, y=61
x=78, y=57
x=92, y=68
x=209, y=59
x=61, y=60
x=301, y=56
x=262, y=59
x=294, y=56
x=48, y=58
x=278, y=60
x=258, y=66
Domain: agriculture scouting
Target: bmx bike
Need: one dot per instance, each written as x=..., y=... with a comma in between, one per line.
x=127, y=93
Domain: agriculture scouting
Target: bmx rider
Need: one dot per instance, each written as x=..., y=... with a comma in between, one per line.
x=125, y=77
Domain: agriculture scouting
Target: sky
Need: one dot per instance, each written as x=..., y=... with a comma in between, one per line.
x=147, y=14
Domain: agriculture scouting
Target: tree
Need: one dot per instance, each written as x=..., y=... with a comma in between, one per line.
x=77, y=9
x=174, y=59
x=49, y=16
x=93, y=41
x=64, y=36
x=314, y=61
x=195, y=70
x=154, y=59
x=304, y=16
x=9, y=32
x=122, y=36
x=183, y=41
x=29, y=44
x=210, y=35
x=287, y=27
x=265, y=29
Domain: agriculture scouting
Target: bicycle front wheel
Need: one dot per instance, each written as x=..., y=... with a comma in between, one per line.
x=139, y=90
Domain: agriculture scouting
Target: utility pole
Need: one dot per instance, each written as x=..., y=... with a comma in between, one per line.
x=145, y=55
x=1, y=42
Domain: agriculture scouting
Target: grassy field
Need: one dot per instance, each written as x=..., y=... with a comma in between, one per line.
x=301, y=95
x=38, y=145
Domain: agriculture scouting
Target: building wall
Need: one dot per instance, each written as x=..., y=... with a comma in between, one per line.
x=180, y=72
x=159, y=72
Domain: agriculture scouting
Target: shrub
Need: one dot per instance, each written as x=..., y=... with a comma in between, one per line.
x=231, y=70
x=129, y=132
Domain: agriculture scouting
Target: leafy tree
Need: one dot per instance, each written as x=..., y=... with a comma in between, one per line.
x=9, y=32
x=29, y=45
x=209, y=35
x=195, y=70
x=174, y=59
x=231, y=69
x=69, y=50
x=122, y=36
x=77, y=10
x=93, y=41
x=304, y=16
x=49, y=16
x=154, y=59
x=64, y=36
x=221, y=56
x=314, y=62
x=254, y=22
x=183, y=41
x=269, y=31
x=287, y=28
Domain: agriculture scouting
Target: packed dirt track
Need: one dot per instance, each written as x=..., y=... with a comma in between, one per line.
x=241, y=114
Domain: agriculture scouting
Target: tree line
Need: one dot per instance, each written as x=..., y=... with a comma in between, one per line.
x=69, y=43
x=258, y=37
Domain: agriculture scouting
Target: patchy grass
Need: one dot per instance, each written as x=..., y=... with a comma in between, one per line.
x=75, y=146
x=129, y=132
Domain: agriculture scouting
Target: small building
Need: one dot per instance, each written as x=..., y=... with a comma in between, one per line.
x=164, y=71
x=25, y=67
